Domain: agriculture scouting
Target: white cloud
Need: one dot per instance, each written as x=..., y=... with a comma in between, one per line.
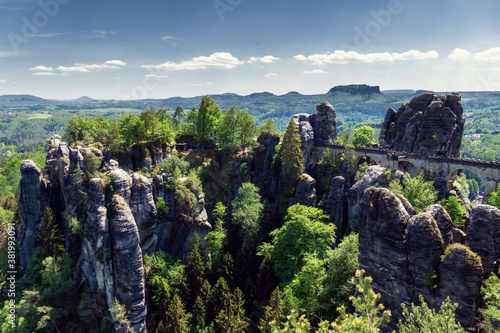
x=269, y=59
x=343, y=57
x=50, y=34
x=315, y=71
x=49, y=74
x=99, y=34
x=492, y=54
x=156, y=76
x=269, y=75
x=3, y=81
x=85, y=68
x=9, y=54
x=219, y=60
x=205, y=84
x=41, y=69
x=168, y=38
x=459, y=54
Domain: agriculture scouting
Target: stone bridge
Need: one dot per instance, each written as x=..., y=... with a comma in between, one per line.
x=432, y=166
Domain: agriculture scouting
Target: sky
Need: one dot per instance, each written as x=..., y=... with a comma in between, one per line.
x=110, y=49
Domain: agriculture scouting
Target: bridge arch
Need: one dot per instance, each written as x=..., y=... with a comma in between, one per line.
x=406, y=166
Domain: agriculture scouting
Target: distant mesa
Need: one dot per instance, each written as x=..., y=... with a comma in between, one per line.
x=85, y=99
x=355, y=89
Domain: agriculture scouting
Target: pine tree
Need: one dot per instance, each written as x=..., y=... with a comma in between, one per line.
x=221, y=294
x=176, y=320
x=274, y=312
x=50, y=236
x=231, y=319
x=120, y=317
x=199, y=314
x=291, y=157
x=266, y=279
x=195, y=272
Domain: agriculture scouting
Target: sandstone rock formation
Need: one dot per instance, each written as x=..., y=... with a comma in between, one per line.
x=316, y=130
x=382, y=246
x=373, y=175
x=428, y=124
x=483, y=236
x=34, y=197
x=460, y=279
x=128, y=271
x=335, y=206
x=305, y=193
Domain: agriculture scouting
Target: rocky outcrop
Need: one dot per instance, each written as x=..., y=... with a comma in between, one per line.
x=34, y=197
x=443, y=221
x=335, y=206
x=483, y=236
x=460, y=279
x=96, y=257
x=316, y=130
x=143, y=208
x=382, y=246
x=324, y=125
x=121, y=183
x=305, y=193
x=425, y=247
x=374, y=176
x=261, y=163
x=128, y=270
x=428, y=125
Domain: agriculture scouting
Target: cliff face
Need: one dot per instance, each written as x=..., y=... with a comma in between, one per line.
x=428, y=124
x=121, y=222
x=409, y=255
x=316, y=130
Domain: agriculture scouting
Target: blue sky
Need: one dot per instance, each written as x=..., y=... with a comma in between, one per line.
x=156, y=49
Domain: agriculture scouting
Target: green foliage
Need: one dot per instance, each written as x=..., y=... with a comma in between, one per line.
x=273, y=313
x=363, y=136
x=207, y=119
x=195, y=272
x=419, y=192
x=161, y=264
x=361, y=171
x=151, y=122
x=491, y=297
x=92, y=164
x=231, y=318
x=217, y=238
x=494, y=199
x=371, y=314
x=304, y=231
x=341, y=265
x=291, y=158
x=120, y=317
x=423, y=319
x=132, y=129
x=49, y=235
x=246, y=214
x=303, y=291
x=268, y=125
x=161, y=206
x=456, y=211
x=173, y=162
x=236, y=128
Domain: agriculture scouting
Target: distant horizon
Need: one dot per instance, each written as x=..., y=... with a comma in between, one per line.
x=247, y=94
x=141, y=50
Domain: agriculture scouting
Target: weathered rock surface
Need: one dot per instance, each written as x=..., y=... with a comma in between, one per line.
x=443, y=221
x=373, y=175
x=382, y=251
x=483, y=236
x=34, y=197
x=316, y=130
x=324, y=125
x=460, y=279
x=305, y=192
x=428, y=124
x=96, y=257
x=425, y=247
x=335, y=206
x=261, y=164
x=143, y=208
x=128, y=270
x=121, y=183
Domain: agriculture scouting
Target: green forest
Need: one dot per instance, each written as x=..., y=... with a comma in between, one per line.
x=267, y=265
